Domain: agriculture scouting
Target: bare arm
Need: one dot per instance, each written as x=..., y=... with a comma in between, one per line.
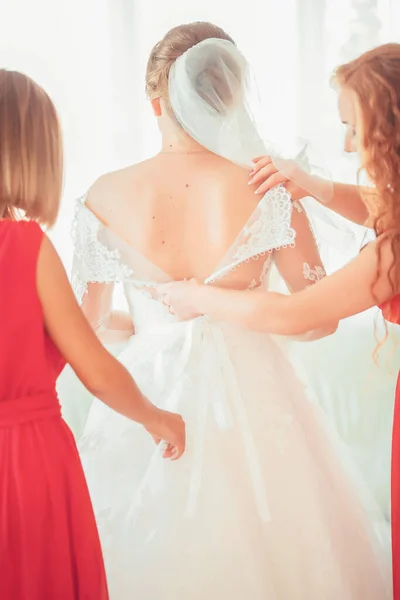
x=301, y=266
x=111, y=326
x=103, y=375
x=348, y=203
x=346, y=199
x=351, y=290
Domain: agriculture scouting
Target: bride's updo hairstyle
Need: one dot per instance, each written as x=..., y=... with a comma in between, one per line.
x=175, y=43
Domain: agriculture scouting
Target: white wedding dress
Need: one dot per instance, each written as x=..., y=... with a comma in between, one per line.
x=260, y=506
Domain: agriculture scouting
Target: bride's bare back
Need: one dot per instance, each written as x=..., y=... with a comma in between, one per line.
x=184, y=209
x=181, y=211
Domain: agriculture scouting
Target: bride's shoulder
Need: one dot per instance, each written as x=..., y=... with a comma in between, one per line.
x=112, y=189
x=117, y=180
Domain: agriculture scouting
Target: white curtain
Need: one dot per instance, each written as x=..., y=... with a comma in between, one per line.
x=91, y=54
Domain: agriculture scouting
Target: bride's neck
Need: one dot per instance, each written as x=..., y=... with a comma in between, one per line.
x=175, y=139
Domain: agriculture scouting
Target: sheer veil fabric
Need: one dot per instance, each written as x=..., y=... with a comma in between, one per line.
x=214, y=97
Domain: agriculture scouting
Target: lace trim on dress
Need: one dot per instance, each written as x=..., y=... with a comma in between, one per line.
x=298, y=206
x=255, y=284
x=93, y=261
x=270, y=230
x=79, y=287
x=315, y=274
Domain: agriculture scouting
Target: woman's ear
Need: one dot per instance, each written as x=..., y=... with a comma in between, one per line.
x=156, y=106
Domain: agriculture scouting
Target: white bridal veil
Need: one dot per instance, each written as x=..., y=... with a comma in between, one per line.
x=214, y=97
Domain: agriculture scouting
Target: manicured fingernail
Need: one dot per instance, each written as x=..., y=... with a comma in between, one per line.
x=250, y=182
x=258, y=191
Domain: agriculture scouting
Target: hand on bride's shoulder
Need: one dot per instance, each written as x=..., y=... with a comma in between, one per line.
x=266, y=176
x=180, y=297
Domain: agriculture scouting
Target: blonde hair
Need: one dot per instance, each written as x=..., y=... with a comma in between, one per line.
x=31, y=158
x=175, y=43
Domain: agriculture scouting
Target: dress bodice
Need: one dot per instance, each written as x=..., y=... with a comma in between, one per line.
x=30, y=362
x=102, y=257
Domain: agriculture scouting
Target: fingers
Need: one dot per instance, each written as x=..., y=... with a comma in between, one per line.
x=261, y=161
x=177, y=452
x=262, y=174
x=270, y=182
x=169, y=451
x=173, y=452
x=174, y=442
x=163, y=294
x=165, y=299
x=267, y=176
x=180, y=444
x=164, y=288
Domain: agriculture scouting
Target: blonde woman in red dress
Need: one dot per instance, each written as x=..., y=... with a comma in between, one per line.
x=369, y=105
x=49, y=546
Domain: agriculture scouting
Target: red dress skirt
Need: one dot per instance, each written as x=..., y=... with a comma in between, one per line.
x=49, y=545
x=391, y=312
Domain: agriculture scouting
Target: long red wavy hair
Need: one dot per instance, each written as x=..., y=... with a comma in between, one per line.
x=374, y=77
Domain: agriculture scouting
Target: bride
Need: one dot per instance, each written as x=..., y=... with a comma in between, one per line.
x=259, y=507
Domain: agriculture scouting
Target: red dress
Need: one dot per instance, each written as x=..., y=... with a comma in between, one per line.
x=391, y=312
x=49, y=545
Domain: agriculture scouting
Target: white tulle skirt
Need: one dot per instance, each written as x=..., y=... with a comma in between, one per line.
x=260, y=507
